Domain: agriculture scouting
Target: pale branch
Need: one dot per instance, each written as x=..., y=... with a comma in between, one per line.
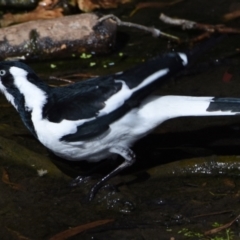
x=187, y=24
x=155, y=32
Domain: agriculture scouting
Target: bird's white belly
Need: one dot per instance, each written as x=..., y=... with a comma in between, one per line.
x=97, y=149
x=94, y=149
x=123, y=132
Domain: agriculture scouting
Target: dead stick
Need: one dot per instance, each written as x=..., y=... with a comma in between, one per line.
x=215, y=230
x=60, y=79
x=187, y=24
x=155, y=32
x=212, y=214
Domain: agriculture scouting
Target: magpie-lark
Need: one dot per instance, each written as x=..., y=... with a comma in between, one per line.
x=104, y=116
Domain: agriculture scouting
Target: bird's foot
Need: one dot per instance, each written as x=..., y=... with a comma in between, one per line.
x=95, y=189
x=129, y=157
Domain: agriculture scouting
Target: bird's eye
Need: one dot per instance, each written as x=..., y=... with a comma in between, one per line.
x=2, y=72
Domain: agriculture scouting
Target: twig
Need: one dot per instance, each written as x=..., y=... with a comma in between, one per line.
x=76, y=75
x=212, y=214
x=60, y=79
x=201, y=37
x=187, y=24
x=216, y=230
x=142, y=5
x=80, y=75
x=155, y=32
x=231, y=16
x=79, y=229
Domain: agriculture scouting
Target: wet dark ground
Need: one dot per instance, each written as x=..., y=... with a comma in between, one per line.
x=186, y=179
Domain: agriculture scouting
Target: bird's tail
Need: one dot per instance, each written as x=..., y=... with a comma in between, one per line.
x=158, y=109
x=179, y=106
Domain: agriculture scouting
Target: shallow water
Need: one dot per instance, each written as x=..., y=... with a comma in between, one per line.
x=186, y=179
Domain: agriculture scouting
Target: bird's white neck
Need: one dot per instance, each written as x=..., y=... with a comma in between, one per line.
x=34, y=96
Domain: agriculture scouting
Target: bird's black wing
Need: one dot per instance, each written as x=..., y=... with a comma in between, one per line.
x=86, y=99
x=81, y=100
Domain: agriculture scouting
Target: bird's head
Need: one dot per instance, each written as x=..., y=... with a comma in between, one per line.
x=12, y=71
x=18, y=81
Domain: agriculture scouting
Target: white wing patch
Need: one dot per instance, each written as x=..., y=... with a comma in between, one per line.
x=125, y=93
x=151, y=78
x=116, y=100
x=183, y=56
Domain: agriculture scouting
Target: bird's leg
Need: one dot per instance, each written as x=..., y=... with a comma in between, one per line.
x=129, y=158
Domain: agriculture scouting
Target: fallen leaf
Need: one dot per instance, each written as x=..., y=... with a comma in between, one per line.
x=44, y=10
x=218, y=229
x=142, y=5
x=90, y=5
x=6, y=179
x=229, y=182
x=18, y=235
x=81, y=228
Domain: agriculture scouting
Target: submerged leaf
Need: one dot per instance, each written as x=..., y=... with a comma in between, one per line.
x=81, y=228
x=6, y=179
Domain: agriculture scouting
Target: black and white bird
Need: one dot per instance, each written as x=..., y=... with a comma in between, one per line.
x=96, y=119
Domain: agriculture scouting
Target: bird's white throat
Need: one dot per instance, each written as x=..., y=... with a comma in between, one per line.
x=35, y=98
